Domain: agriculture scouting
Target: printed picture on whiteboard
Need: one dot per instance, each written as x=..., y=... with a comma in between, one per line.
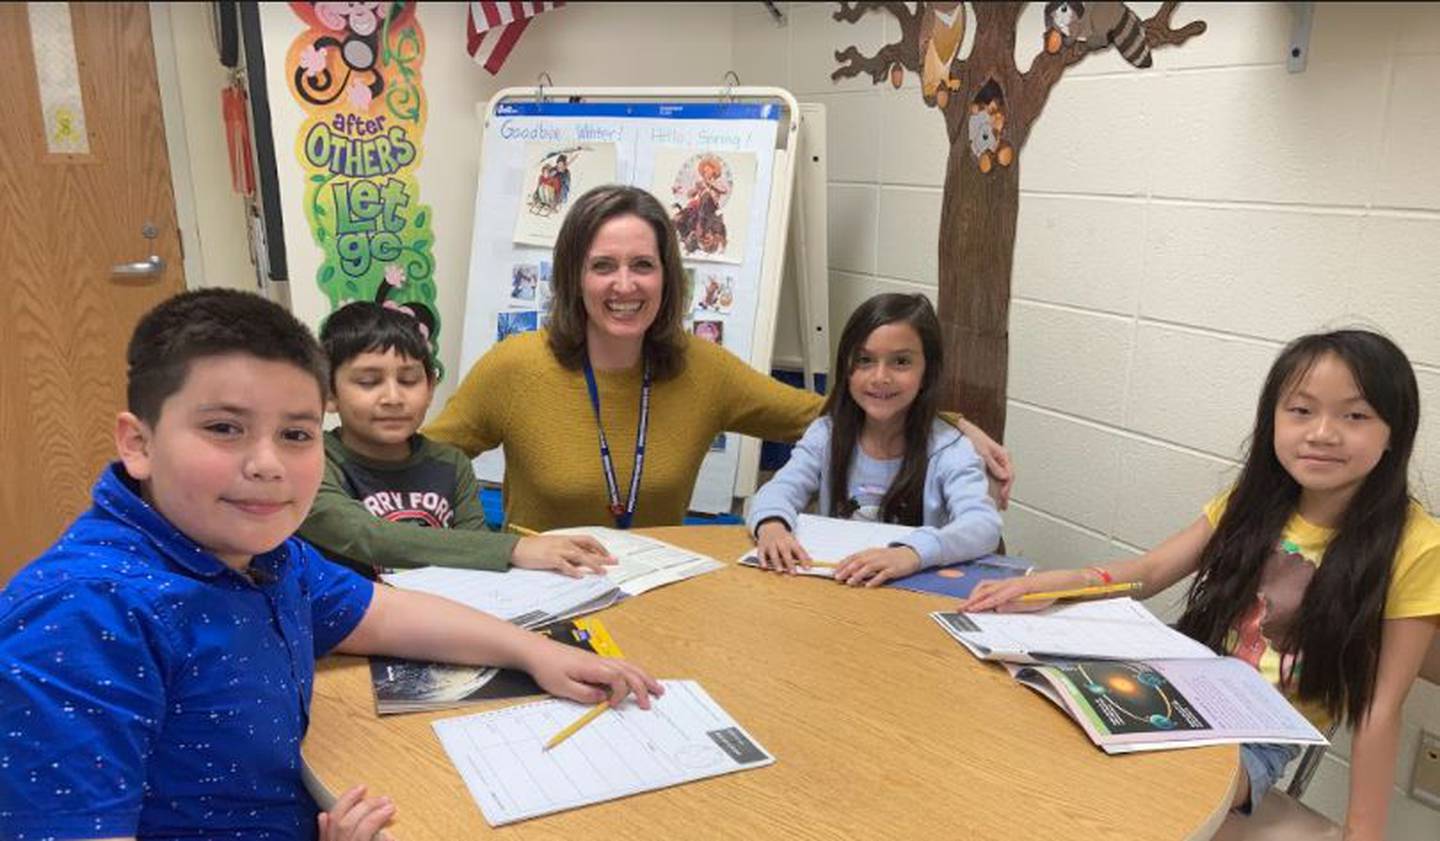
x=710, y=331
x=715, y=292
x=554, y=175
x=545, y=290
x=511, y=323
x=708, y=194
x=524, y=283
x=691, y=293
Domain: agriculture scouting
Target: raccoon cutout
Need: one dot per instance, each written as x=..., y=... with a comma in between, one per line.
x=986, y=125
x=1094, y=26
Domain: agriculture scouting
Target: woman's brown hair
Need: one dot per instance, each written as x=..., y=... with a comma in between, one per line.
x=665, y=340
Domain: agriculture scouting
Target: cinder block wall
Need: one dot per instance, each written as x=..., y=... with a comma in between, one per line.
x=1177, y=226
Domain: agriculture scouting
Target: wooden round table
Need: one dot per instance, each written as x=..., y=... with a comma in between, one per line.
x=881, y=725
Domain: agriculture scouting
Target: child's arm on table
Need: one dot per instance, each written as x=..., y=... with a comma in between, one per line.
x=775, y=509
x=572, y=555
x=1403, y=645
x=400, y=623
x=972, y=528
x=341, y=524
x=1157, y=570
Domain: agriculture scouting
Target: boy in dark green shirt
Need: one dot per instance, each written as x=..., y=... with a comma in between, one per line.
x=390, y=497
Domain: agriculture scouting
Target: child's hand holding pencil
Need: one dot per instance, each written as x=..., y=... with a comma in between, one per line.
x=1037, y=592
x=572, y=555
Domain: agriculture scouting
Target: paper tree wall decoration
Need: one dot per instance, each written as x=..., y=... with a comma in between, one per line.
x=989, y=107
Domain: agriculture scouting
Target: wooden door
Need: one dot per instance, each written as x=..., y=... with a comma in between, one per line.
x=65, y=221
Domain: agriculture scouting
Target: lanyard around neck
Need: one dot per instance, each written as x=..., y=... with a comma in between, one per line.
x=623, y=513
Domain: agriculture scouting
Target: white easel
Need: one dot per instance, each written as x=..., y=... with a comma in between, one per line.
x=807, y=230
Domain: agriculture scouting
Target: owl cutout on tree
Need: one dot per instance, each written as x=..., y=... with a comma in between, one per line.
x=942, y=29
x=988, y=103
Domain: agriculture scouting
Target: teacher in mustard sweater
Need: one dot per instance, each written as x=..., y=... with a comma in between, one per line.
x=607, y=414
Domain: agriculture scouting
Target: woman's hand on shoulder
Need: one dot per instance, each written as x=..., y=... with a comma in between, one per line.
x=873, y=567
x=583, y=676
x=776, y=548
x=573, y=556
x=355, y=817
x=997, y=461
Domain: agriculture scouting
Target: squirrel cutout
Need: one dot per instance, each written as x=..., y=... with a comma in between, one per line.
x=1096, y=26
x=986, y=127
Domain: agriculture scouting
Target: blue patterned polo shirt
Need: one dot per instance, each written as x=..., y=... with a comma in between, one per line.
x=147, y=689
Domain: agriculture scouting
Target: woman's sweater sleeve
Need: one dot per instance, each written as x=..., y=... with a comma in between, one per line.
x=973, y=527
x=759, y=405
x=474, y=417
x=794, y=484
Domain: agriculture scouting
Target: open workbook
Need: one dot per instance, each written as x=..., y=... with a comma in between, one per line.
x=830, y=540
x=531, y=598
x=685, y=736
x=1131, y=682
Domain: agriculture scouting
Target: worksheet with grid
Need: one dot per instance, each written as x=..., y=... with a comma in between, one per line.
x=684, y=736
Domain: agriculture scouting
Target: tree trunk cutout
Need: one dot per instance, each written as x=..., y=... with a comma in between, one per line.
x=989, y=107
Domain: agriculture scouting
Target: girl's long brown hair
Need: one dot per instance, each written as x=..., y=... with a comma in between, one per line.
x=904, y=501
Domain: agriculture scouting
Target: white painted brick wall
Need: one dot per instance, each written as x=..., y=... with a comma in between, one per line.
x=1176, y=226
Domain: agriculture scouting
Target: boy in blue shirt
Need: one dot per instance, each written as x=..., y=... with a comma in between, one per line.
x=160, y=656
x=383, y=478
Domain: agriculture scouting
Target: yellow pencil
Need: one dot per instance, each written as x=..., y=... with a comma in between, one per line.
x=521, y=530
x=1084, y=592
x=575, y=726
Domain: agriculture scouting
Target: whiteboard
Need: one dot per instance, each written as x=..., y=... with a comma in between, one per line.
x=655, y=139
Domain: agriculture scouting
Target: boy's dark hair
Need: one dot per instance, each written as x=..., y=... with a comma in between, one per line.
x=665, y=340
x=365, y=327
x=211, y=322
x=904, y=501
x=1335, y=638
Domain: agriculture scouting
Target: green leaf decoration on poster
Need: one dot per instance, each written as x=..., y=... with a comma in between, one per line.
x=361, y=150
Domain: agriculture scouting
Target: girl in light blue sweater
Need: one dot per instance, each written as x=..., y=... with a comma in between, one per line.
x=879, y=452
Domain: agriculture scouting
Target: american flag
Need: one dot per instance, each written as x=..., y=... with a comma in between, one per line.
x=492, y=29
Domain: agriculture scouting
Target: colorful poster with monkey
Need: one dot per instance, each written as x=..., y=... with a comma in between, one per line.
x=355, y=70
x=708, y=193
x=555, y=174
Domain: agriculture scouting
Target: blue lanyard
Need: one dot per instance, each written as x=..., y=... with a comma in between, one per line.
x=622, y=513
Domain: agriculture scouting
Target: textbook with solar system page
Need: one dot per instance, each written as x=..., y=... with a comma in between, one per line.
x=1109, y=629
x=1126, y=706
x=1131, y=681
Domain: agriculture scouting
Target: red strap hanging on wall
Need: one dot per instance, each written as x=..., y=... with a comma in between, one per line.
x=235, y=109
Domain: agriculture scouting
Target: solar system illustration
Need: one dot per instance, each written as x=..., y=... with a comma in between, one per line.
x=1131, y=697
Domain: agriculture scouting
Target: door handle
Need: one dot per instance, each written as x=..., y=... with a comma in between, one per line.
x=151, y=267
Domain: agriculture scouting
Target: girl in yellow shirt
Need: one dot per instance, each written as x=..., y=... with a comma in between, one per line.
x=1317, y=566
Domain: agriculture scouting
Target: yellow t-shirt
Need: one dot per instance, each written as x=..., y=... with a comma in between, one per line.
x=1414, y=591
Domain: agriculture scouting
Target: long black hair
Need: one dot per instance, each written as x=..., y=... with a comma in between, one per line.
x=1336, y=634
x=904, y=500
